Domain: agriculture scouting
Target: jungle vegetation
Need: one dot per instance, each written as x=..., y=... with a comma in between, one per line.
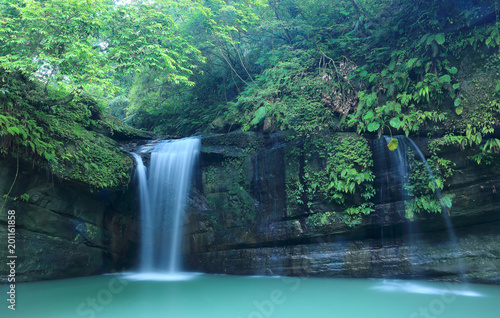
x=311, y=67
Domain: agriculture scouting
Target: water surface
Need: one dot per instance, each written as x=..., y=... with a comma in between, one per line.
x=118, y=296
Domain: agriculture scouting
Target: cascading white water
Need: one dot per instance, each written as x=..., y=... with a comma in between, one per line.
x=141, y=175
x=399, y=164
x=163, y=195
x=399, y=159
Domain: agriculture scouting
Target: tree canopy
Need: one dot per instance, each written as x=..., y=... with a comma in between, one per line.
x=316, y=64
x=83, y=43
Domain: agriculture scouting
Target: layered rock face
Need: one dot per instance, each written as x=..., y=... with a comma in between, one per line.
x=244, y=220
x=63, y=229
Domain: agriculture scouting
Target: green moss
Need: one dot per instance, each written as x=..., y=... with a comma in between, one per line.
x=227, y=191
x=114, y=127
x=320, y=220
x=480, y=107
x=88, y=233
x=61, y=138
x=238, y=202
x=294, y=188
x=242, y=143
x=90, y=157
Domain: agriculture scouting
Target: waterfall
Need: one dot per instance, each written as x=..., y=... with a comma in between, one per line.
x=146, y=234
x=399, y=167
x=163, y=192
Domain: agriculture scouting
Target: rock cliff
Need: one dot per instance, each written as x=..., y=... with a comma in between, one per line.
x=62, y=228
x=242, y=220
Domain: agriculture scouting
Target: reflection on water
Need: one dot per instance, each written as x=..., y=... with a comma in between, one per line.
x=420, y=288
x=162, y=277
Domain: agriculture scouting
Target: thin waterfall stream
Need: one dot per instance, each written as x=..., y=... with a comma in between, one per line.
x=400, y=167
x=163, y=191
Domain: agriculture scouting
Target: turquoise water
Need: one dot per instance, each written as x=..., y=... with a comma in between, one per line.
x=113, y=296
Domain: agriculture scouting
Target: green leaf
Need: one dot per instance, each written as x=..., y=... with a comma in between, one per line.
x=344, y=173
x=259, y=115
x=49, y=156
x=373, y=127
x=445, y=78
x=488, y=41
x=372, y=77
x=459, y=110
x=446, y=202
x=393, y=144
x=13, y=131
x=395, y=122
x=368, y=115
x=430, y=39
x=453, y=70
x=422, y=39
x=411, y=62
x=456, y=86
x=392, y=65
x=425, y=204
x=351, y=187
x=440, y=38
x=457, y=102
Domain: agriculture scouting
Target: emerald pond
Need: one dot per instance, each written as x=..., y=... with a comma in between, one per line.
x=222, y=296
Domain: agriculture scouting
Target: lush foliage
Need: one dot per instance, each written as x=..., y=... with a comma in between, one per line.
x=332, y=168
x=318, y=66
x=59, y=63
x=64, y=140
x=80, y=43
x=311, y=67
x=424, y=186
x=215, y=28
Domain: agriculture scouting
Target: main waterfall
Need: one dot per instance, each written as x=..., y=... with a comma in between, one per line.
x=163, y=191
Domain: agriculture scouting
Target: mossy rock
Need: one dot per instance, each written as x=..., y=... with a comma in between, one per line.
x=233, y=143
